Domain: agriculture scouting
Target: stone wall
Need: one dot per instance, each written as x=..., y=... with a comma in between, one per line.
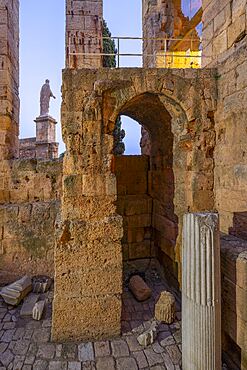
x=176, y=107
x=225, y=46
x=9, y=78
x=30, y=193
x=27, y=148
x=135, y=206
x=84, y=24
x=234, y=299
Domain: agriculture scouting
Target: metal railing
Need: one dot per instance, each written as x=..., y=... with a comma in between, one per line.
x=152, y=43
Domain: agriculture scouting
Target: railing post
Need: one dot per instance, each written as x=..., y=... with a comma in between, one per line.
x=118, y=52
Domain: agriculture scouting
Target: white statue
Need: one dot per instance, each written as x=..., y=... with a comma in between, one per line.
x=45, y=96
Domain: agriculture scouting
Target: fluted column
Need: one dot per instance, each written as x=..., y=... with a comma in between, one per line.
x=201, y=308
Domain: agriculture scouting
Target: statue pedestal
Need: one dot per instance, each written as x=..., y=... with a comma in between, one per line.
x=46, y=146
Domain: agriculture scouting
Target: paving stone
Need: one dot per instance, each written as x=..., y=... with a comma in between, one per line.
x=140, y=359
x=169, y=340
x=126, y=363
x=9, y=325
x=174, y=354
x=3, y=346
x=27, y=367
x=105, y=363
x=41, y=335
x=69, y=351
x=32, y=350
x=159, y=367
x=85, y=352
x=133, y=343
x=152, y=357
x=46, y=351
x=29, y=360
x=119, y=348
x=74, y=365
x=157, y=348
x=18, y=362
x=167, y=361
x=8, y=335
x=21, y=347
x=88, y=365
x=58, y=350
x=178, y=336
x=19, y=333
x=47, y=323
x=57, y=365
x=7, y=318
x=6, y=357
x=40, y=365
x=28, y=334
x=102, y=349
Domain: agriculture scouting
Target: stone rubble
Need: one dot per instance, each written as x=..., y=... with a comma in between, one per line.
x=38, y=310
x=14, y=293
x=139, y=288
x=165, y=308
x=41, y=284
x=28, y=305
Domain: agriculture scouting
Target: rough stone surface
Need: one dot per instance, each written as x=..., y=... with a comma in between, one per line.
x=84, y=22
x=9, y=79
x=28, y=305
x=28, y=345
x=165, y=308
x=38, y=310
x=14, y=293
x=139, y=288
x=90, y=189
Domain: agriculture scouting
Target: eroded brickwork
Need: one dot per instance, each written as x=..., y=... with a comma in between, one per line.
x=30, y=194
x=84, y=22
x=9, y=78
x=135, y=205
x=175, y=106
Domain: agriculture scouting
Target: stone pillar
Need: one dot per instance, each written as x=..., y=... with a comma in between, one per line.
x=84, y=23
x=201, y=293
x=9, y=79
x=46, y=146
x=88, y=254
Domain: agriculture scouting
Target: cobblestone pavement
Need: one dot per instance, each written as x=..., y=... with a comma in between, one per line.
x=26, y=344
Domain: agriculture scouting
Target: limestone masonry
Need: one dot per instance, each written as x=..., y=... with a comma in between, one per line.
x=93, y=220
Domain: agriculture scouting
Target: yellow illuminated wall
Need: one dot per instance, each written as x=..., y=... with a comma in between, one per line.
x=179, y=59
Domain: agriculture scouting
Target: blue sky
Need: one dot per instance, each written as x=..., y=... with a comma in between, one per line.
x=42, y=32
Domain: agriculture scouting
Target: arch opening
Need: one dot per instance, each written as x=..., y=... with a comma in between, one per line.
x=145, y=190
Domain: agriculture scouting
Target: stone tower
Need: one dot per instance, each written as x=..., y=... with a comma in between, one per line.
x=9, y=78
x=164, y=19
x=84, y=20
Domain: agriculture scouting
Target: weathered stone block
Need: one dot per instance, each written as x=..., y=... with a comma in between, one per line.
x=165, y=308
x=139, y=288
x=14, y=293
x=38, y=310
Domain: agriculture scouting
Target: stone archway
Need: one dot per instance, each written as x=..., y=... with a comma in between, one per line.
x=88, y=255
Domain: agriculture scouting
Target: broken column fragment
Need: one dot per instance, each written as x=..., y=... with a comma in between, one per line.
x=165, y=308
x=201, y=295
x=15, y=292
x=38, y=310
x=139, y=288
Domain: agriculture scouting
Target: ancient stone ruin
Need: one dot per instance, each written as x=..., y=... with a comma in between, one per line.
x=93, y=220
